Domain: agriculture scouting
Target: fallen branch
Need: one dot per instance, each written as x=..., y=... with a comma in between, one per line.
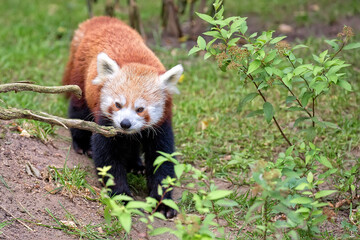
x=20, y=87
x=14, y=113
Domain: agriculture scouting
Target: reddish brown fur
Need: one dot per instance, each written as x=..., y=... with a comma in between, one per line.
x=121, y=43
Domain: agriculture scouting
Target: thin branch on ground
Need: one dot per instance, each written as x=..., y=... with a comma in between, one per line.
x=14, y=113
x=20, y=87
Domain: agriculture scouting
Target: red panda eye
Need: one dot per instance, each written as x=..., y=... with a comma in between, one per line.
x=140, y=110
x=118, y=105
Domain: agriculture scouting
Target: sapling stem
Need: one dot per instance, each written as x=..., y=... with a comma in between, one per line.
x=276, y=122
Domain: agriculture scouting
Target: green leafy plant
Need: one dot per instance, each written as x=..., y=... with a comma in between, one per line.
x=268, y=62
x=289, y=197
x=289, y=186
x=207, y=198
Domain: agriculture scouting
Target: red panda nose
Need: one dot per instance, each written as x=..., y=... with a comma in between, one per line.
x=125, y=124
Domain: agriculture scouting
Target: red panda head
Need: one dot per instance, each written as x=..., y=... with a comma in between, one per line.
x=133, y=97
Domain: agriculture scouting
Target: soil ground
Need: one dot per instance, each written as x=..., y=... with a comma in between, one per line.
x=26, y=197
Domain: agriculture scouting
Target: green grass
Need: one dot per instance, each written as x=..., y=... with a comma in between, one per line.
x=35, y=37
x=73, y=180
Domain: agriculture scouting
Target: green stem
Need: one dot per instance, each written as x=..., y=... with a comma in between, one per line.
x=313, y=110
x=297, y=99
x=338, y=51
x=276, y=122
x=302, y=77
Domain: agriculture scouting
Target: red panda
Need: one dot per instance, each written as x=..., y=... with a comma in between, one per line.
x=126, y=86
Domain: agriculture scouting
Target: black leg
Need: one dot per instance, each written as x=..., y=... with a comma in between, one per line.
x=80, y=138
x=107, y=152
x=162, y=140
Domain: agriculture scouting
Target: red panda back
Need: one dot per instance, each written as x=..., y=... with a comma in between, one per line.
x=113, y=37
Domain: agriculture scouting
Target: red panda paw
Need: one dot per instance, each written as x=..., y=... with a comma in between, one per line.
x=168, y=212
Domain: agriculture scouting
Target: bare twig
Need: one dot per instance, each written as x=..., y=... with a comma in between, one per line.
x=14, y=113
x=16, y=218
x=20, y=87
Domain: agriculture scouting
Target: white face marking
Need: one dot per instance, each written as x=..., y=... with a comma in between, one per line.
x=121, y=100
x=105, y=102
x=156, y=112
x=136, y=121
x=140, y=103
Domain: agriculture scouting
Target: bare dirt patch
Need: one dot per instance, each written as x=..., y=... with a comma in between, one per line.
x=26, y=197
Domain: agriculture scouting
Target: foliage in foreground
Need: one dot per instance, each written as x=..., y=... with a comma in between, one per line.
x=290, y=196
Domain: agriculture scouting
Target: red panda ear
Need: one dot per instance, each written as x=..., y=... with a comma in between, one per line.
x=171, y=77
x=106, y=67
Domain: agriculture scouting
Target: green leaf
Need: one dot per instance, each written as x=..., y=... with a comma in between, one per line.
x=323, y=55
x=253, y=35
x=243, y=28
x=135, y=204
x=224, y=33
x=302, y=186
x=289, y=150
x=207, y=55
x=233, y=42
x=206, y=18
x=201, y=42
x=270, y=56
x=170, y=203
x=268, y=111
x=319, y=87
x=214, y=34
x=310, y=177
x=303, y=210
x=324, y=193
x=226, y=203
x=125, y=221
x=352, y=46
x=194, y=50
x=293, y=109
x=159, y=231
x=325, y=124
x=344, y=84
x=218, y=194
x=122, y=198
x=312, y=146
x=305, y=98
x=299, y=46
x=323, y=160
x=269, y=70
x=263, y=85
x=255, y=113
x=301, y=200
x=299, y=120
x=159, y=215
x=179, y=169
x=333, y=44
x=290, y=99
x=247, y=98
x=277, y=39
x=253, y=66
